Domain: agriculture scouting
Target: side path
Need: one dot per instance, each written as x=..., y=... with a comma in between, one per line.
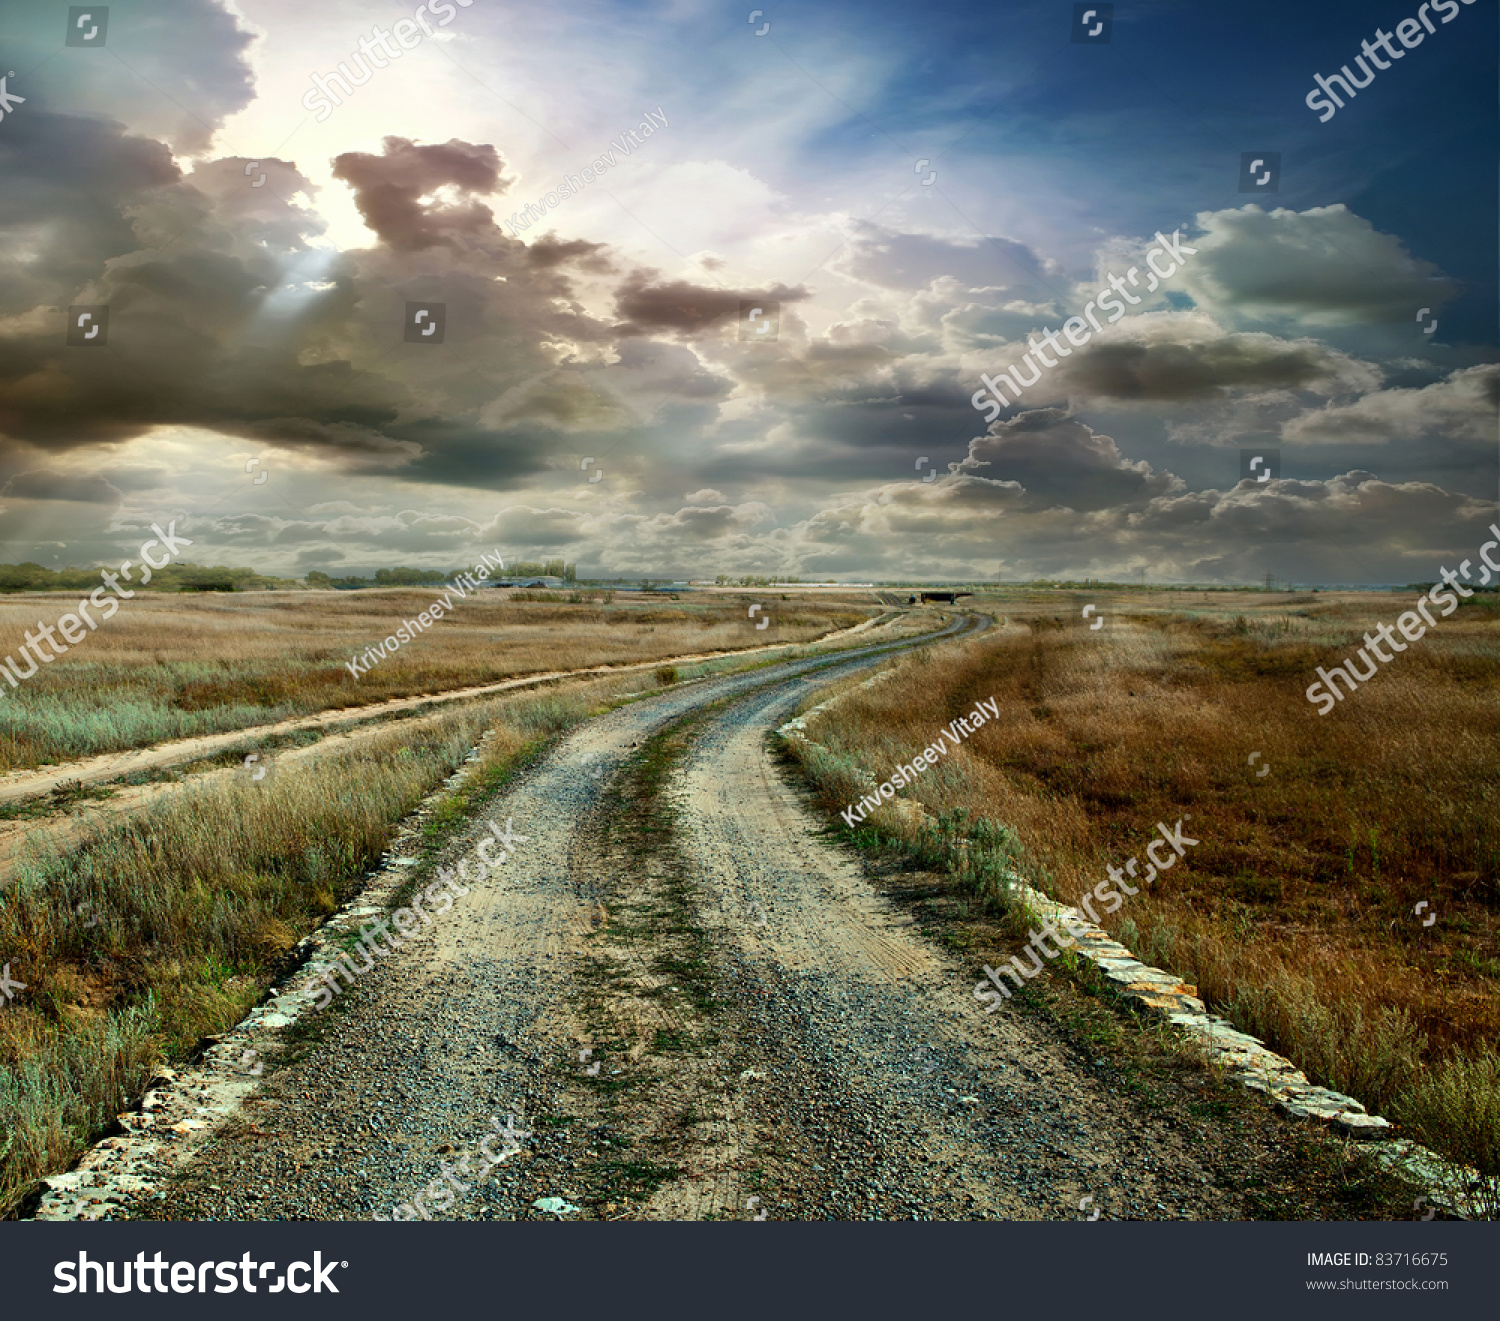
x=112, y=765
x=70, y=823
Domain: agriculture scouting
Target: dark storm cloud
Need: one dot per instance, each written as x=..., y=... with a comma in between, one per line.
x=174, y=350
x=646, y=305
x=1165, y=370
x=387, y=189
x=549, y=251
x=1460, y=408
x=47, y=485
x=456, y=452
x=1354, y=527
x=1061, y=461
x=348, y=438
x=66, y=183
x=223, y=315
x=844, y=413
x=163, y=364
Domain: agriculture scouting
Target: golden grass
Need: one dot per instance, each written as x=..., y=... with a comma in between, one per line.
x=169, y=666
x=1295, y=913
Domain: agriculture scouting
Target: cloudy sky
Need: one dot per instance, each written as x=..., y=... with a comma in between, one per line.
x=264, y=193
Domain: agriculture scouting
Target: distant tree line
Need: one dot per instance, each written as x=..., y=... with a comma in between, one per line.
x=189, y=577
x=751, y=580
x=183, y=577
x=406, y=577
x=399, y=577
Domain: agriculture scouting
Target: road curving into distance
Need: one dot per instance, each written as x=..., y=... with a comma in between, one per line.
x=695, y=1007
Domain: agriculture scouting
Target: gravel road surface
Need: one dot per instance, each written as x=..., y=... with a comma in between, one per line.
x=687, y=1002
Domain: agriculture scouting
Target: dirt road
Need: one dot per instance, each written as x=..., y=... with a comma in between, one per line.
x=695, y=1007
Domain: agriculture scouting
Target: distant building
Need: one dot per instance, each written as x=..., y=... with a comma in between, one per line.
x=949, y=597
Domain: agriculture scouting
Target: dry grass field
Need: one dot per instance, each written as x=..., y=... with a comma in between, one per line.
x=172, y=666
x=1296, y=915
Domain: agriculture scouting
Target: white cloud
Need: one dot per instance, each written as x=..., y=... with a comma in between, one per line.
x=1461, y=407
x=1322, y=267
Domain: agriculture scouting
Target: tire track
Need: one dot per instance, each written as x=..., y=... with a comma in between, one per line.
x=888, y=1092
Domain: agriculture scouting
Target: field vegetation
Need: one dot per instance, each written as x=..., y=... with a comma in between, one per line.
x=164, y=929
x=1297, y=914
x=173, y=666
